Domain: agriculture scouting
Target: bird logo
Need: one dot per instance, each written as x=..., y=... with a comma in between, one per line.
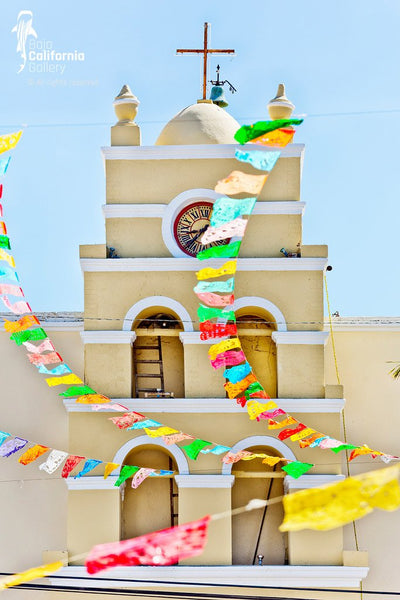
x=23, y=29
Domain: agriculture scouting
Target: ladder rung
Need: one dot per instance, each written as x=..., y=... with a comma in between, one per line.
x=159, y=362
x=146, y=347
x=149, y=375
x=148, y=390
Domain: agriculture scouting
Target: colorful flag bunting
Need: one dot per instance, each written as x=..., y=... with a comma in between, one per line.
x=236, y=374
x=160, y=548
x=145, y=423
x=227, y=209
x=228, y=359
x=19, y=337
x=125, y=473
x=11, y=446
x=193, y=450
x=18, y=308
x=226, y=251
x=44, y=359
x=246, y=133
x=278, y=137
x=155, y=433
x=9, y=141
x=70, y=464
x=45, y=346
x=59, y=370
x=235, y=228
x=11, y=289
x=176, y=437
x=77, y=391
x=296, y=469
x=5, y=241
x=127, y=420
x=53, y=461
x=211, y=330
x=22, y=323
x=218, y=449
x=140, y=476
x=65, y=380
x=234, y=389
x=205, y=313
x=4, y=436
x=214, y=300
x=93, y=399
x=30, y=575
x=109, y=468
x=223, y=346
x=7, y=257
x=89, y=465
x=228, y=268
x=234, y=457
x=215, y=286
x=4, y=162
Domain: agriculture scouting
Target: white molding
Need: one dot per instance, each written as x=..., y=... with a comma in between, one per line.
x=91, y=483
x=108, y=337
x=212, y=405
x=364, y=324
x=174, y=207
x=264, y=304
x=149, y=211
x=192, y=264
x=266, y=576
x=300, y=337
x=193, y=337
x=259, y=440
x=162, y=301
x=288, y=207
x=305, y=482
x=133, y=211
x=205, y=481
x=187, y=152
x=144, y=440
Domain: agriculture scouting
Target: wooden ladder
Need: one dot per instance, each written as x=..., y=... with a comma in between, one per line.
x=138, y=376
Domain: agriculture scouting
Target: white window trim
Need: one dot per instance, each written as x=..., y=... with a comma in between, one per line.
x=162, y=301
x=144, y=440
x=108, y=337
x=300, y=337
x=266, y=576
x=264, y=304
x=212, y=405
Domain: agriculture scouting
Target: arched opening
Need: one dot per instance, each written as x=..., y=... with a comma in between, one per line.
x=257, y=532
x=154, y=504
x=255, y=328
x=157, y=355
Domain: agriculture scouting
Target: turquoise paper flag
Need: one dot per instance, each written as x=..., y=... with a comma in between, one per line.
x=259, y=159
x=237, y=373
x=215, y=286
x=227, y=209
x=208, y=312
x=145, y=423
x=4, y=436
x=226, y=251
x=4, y=162
x=297, y=469
x=89, y=465
x=60, y=370
x=126, y=472
x=7, y=273
x=250, y=132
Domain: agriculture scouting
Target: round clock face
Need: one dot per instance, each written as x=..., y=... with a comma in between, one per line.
x=189, y=226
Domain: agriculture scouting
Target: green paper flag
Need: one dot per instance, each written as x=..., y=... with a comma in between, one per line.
x=193, y=449
x=296, y=469
x=226, y=251
x=253, y=387
x=126, y=472
x=249, y=132
x=343, y=447
x=5, y=242
x=77, y=390
x=19, y=337
x=207, y=312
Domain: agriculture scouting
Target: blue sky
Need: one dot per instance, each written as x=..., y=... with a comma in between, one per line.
x=340, y=63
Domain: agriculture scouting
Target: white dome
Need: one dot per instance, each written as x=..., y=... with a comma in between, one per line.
x=202, y=123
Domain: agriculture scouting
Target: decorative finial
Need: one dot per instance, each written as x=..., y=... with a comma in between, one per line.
x=280, y=107
x=126, y=106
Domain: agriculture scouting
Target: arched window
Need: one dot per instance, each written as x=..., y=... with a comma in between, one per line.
x=257, y=532
x=157, y=355
x=154, y=504
x=255, y=333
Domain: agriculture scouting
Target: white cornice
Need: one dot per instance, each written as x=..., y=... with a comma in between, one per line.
x=133, y=211
x=192, y=264
x=91, y=483
x=266, y=576
x=204, y=481
x=108, y=337
x=300, y=337
x=365, y=324
x=212, y=405
x=306, y=482
x=194, y=152
x=193, y=337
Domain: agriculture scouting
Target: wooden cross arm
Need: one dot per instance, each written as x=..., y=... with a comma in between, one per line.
x=183, y=50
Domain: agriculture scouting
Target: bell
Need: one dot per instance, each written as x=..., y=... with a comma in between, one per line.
x=217, y=96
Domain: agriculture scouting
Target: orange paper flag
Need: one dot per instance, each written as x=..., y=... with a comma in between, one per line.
x=238, y=182
x=32, y=454
x=278, y=137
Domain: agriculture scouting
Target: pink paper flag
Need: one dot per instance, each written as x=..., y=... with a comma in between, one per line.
x=45, y=346
x=140, y=476
x=127, y=420
x=115, y=407
x=211, y=299
x=230, y=358
x=232, y=457
x=44, y=359
x=176, y=437
x=9, y=288
x=160, y=548
x=18, y=308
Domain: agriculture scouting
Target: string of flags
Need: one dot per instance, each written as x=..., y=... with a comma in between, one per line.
x=216, y=315
x=228, y=222
x=324, y=508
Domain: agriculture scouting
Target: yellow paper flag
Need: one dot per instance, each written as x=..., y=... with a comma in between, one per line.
x=64, y=380
x=7, y=257
x=30, y=574
x=216, y=349
x=109, y=468
x=154, y=433
x=335, y=505
x=255, y=408
x=9, y=141
x=228, y=268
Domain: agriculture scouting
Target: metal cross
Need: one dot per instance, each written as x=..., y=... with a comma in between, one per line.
x=205, y=51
